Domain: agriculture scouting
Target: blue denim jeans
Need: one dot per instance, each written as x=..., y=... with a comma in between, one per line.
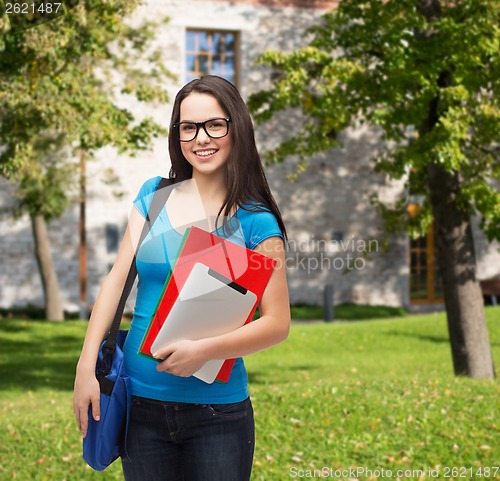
x=169, y=441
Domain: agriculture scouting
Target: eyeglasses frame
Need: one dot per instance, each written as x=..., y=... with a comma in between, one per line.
x=201, y=124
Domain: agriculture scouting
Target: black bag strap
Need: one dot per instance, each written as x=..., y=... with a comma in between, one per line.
x=157, y=203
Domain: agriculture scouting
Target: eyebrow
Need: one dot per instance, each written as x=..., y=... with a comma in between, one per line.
x=211, y=118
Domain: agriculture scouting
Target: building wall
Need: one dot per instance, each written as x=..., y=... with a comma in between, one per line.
x=335, y=233
x=327, y=211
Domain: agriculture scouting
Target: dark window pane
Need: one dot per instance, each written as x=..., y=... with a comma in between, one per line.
x=190, y=41
x=423, y=277
x=190, y=62
x=216, y=43
x=112, y=240
x=229, y=41
x=229, y=66
x=203, y=65
x=203, y=42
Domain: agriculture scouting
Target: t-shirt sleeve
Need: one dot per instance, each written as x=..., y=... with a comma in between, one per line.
x=145, y=195
x=263, y=226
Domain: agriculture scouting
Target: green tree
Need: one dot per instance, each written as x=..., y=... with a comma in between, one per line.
x=427, y=74
x=58, y=86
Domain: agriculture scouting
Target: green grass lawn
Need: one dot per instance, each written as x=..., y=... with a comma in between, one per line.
x=376, y=396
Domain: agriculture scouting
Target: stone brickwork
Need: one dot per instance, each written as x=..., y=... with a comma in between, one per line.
x=327, y=211
x=335, y=234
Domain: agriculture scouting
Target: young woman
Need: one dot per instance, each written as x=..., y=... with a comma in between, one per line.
x=182, y=428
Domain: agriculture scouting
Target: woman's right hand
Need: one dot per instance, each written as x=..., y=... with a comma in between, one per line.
x=86, y=392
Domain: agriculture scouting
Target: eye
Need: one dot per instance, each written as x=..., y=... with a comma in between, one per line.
x=215, y=124
x=188, y=127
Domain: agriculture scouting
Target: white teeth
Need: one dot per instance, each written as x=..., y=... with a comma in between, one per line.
x=205, y=153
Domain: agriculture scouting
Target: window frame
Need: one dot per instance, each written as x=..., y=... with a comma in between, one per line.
x=212, y=31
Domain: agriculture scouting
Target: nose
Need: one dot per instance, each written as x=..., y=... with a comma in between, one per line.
x=202, y=137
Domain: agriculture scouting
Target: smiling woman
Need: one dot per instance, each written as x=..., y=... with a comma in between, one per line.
x=181, y=427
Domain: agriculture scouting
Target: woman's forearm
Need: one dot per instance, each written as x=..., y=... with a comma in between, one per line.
x=99, y=323
x=107, y=301
x=249, y=339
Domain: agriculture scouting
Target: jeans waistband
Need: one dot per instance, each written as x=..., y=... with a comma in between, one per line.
x=176, y=405
x=167, y=404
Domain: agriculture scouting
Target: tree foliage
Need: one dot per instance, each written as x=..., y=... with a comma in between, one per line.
x=382, y=63
x=60, y=81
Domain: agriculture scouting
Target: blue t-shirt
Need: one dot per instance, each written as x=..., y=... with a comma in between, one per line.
x=154, y=259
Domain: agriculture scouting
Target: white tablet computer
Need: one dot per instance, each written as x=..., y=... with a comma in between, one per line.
x=208, y=305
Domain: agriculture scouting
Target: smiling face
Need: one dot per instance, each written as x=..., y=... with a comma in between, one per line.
x=205, y=154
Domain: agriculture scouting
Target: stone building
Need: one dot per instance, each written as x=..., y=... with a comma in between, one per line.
x=327, y=211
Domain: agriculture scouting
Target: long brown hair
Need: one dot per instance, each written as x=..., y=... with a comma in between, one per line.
x=245, y=179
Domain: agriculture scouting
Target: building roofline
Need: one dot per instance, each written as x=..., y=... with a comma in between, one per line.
x=312, y=4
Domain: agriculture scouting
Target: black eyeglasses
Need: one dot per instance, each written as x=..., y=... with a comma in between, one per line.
x=214, y=128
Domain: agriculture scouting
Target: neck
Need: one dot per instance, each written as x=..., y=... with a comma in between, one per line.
x=211, y=187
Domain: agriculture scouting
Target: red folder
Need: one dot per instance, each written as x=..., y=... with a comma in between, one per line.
x=246, y=267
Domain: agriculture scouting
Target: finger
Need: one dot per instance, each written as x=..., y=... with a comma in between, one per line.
x=163, y=366
x=83, y=416
x=163, y=353
x=96, y=407
x=76, y=412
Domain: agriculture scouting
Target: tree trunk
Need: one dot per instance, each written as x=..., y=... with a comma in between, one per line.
x=53, y=307
x=470, y=346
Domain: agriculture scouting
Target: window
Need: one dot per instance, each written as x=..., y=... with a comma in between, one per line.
x=426, y=286
x=210, y=52
x=112, y=238
x=425, y=279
